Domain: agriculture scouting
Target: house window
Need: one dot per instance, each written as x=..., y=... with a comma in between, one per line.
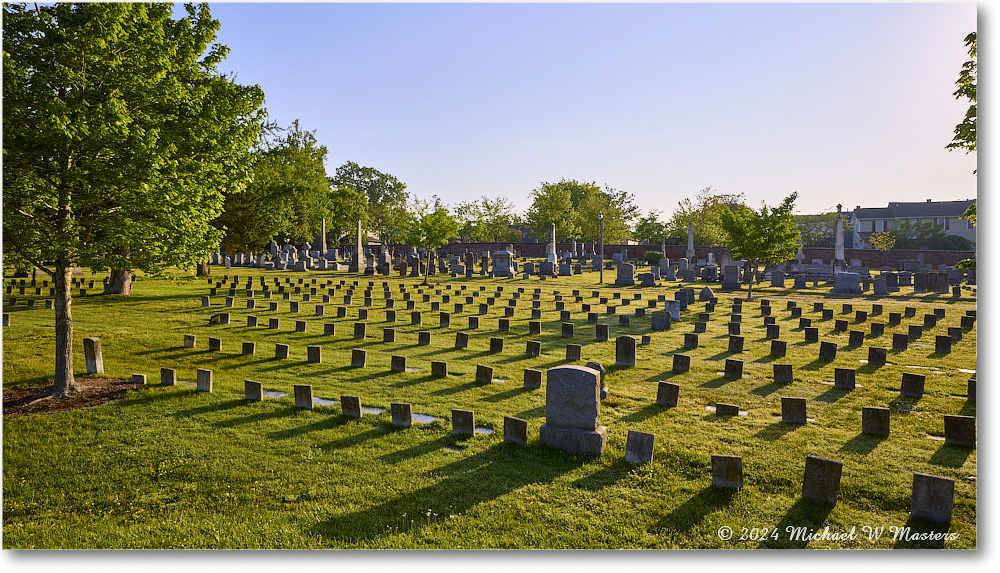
x=940, y=222
x=969, y=224
x=879, y=226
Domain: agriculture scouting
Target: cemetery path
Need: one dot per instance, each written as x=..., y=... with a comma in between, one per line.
x=90, y=392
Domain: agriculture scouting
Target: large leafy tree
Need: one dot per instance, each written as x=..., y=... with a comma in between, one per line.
x=288, y=198
x=574, y=208
x=119, y=139
x=488, y=220
x=347, y=207
x=429, y=225
x=767, y=236
x=926, y=235
x=649, y=229
x=386, y=196
x=820, y=230
x=965, y=132
x=705, y=211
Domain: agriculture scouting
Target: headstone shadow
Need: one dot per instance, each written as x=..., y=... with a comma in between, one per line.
x=863, y=444
x=968, y=409
x=647, y=411
x=456, y=389
x=695, y=509
x=917, y=527
x=717, y=382
x=900, y=405
x=506, y=394
x=806, y=514
x=216, y=407
x=421, y=449
x=776, y=431
x=350, y=441
x=604, y=477
x=463, y=484
x=832, y=395
x=815, y=364
x=951, y=456
x=324, y=423
x=258, y=417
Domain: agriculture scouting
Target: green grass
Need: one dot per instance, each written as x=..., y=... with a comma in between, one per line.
x=171, y=467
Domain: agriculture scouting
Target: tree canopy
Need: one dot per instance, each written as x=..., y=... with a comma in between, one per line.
x=965, y=131
x=288, y=198
x=386, y=196
x=119, y=140
x=705, y=212
x=487, y=220
x=767, y=236
x=927, y=235
x=574, y=208
x=820, y=230
x=428, y=225
x=649, y=229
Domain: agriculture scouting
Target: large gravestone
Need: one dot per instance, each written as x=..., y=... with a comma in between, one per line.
x=93, y=356
x=626, y=275
x=572, y=411
x=731, y=277
x=847, y=283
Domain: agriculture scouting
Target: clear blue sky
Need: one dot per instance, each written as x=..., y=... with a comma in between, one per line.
x=848, y=103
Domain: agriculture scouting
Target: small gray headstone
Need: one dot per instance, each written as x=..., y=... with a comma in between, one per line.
x=727, y=471
x=138, y=378
x=168, y=377
x=350, y=406
x=253, y=391
x=933, y=498
x=439, y=368
x=303, y=396
x=359, y=357
x=960, y=431
x=793, y=410
x=821, y=481
x=92, y=355
x=515, y=431
x=463, y=422
x=875, y=421
x=639, y=447
x=532, y=379
x=402, y=414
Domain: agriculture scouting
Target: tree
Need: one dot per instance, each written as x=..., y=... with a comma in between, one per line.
x=119, y=139
x=883, y=241
x=969, y=214
x=760, y=237
x=574, y=208
x=487, y=220
x=965, y=132
x=429, y=226
x=705, y=212
x=552, y=203
x=927, y=235
x=288, y=198
x=618, y=209
x=347, y=207
x=820, y=230
x=386, y=197
x=649, y=229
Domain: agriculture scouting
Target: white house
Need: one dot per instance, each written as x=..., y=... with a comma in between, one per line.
x=945, y=214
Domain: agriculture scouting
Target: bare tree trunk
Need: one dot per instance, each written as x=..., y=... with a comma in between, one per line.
x=753, y=273
x=120, y=282
x=203, y=270
x=63, y=278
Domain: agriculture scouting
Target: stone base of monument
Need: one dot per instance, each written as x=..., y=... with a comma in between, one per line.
x=574, y=440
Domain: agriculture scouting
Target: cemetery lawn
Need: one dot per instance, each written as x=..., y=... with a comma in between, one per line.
x=170, y=467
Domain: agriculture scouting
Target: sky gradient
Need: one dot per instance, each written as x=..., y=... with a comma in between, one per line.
x=848, y=103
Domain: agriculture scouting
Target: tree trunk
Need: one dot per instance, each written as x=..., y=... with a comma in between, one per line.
x=203, y=270
x=64, y=381
x=120, y=282
x=750, y=282
x=427, y=269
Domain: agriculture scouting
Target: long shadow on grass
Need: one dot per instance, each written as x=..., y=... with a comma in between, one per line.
x=324, y=423
x=259, y=417
x=456, y=389
x=968, y=409
x=604, y=477
x=693, y=511
x=506, y=394
x=767, y=389
x=917, y=527
x=350, y=441
x=647, y=411
x=218, y=406
x=805, y=516
x=832, y=395
x=951, y=456
x=863, y=444
x=462, y=485
x=776, y=431
x=717, y=382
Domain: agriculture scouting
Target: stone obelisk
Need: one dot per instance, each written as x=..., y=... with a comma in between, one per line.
x=322, y=240
x=690, y=250
x=838, y=249
x=358, y=262
x=552, y=245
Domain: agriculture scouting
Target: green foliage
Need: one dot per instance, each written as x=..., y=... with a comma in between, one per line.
x=927, y=235
x=820, y=230
x=705, y=212
x=765, y=237
x=487, y=220
x=969, y=214
x=428, y=226
x=288, y=198
x=119, y=136
x=347, y=207
x=882, y=241
x=574, y=207
x=965, y=132
x=552, y=203
x=652, y=257
x=386, y=197
x=650, y=229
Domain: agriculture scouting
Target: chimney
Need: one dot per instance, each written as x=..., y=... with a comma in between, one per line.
x=928, y=200
x=857, y=207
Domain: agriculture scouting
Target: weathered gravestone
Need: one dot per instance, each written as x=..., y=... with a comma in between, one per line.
x=572, y=411
x=821, y=481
